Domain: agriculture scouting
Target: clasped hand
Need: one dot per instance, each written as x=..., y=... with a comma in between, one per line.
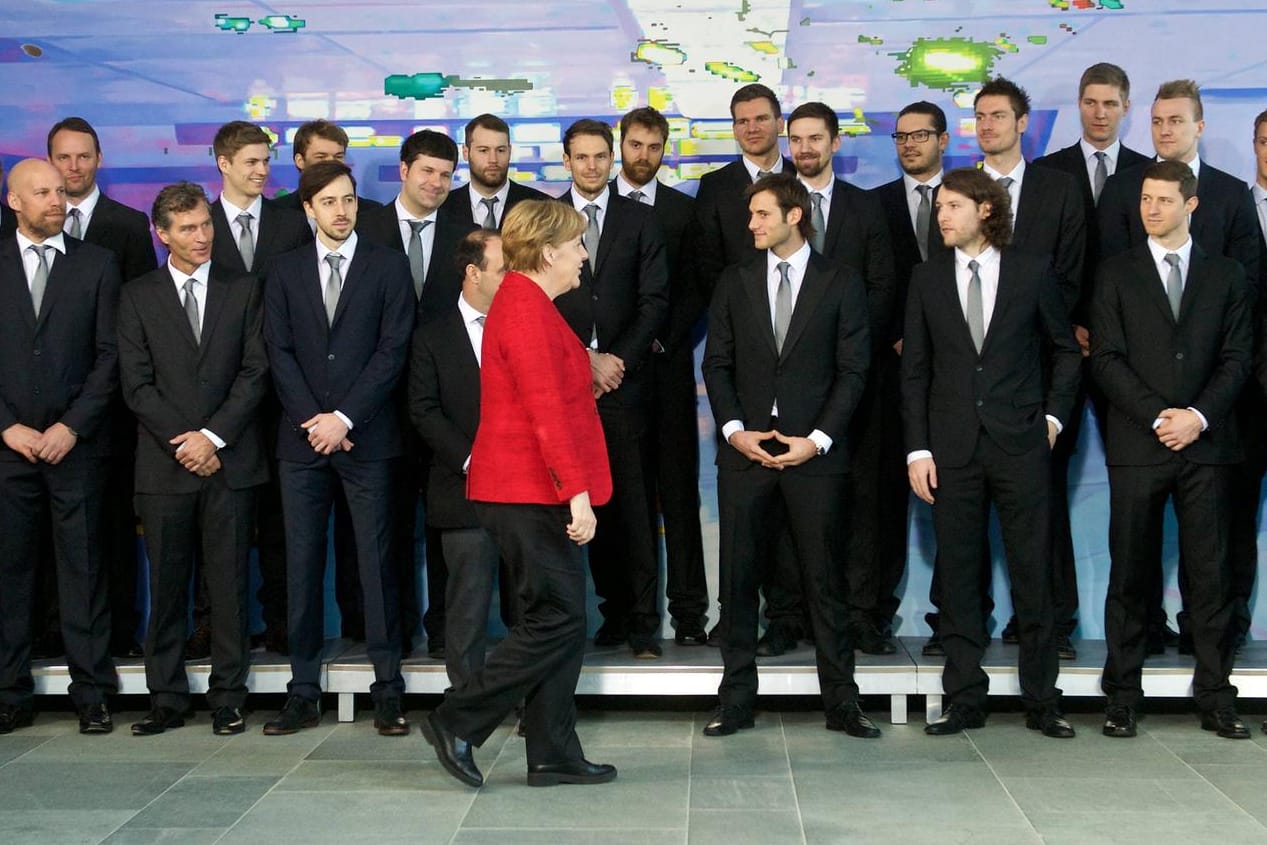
x=748, y=443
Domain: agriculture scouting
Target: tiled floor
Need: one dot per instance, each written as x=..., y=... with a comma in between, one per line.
x=787, y=780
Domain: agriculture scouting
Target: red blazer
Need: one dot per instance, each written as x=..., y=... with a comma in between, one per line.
x=539, y=440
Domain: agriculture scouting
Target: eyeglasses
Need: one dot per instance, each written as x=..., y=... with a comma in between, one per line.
x=919, y=136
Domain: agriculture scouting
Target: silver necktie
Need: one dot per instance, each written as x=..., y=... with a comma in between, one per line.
x=76, y=229
x=1006, y=182
x=591, y=232
x=820, y=224
x=923, y=219
x=490, y=216
x=1174, y=284
x=246, y=242
x=1101, y=174
x=782, y=306
x=333, y=285
x=636, y=196
x=975, y=309
x=39, y=281
x=415, y=254
x=191, y=310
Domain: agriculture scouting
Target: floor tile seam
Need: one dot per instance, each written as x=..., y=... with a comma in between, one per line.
x=229, y=828
x=1006, y=791
x=29, y=750
x=1184, y=763
x=796, y=797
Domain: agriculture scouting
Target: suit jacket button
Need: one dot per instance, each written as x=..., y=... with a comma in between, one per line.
x=330, y=357
x=35, y=352
x=1178, y=356
x=37, y=391
x=979, y=369
x=980, y=403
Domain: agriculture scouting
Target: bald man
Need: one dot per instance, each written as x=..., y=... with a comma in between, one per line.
x=57, y=339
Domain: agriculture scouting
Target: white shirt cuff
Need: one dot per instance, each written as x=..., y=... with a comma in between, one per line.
x=466, y=465
x=917, y=455
x=1205, y=424
x=821, y=440
x=343, y=418
x=730, y=428
x=211, y=435
x=1055, y=422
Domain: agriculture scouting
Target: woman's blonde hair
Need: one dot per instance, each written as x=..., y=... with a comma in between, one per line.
x=531, y=225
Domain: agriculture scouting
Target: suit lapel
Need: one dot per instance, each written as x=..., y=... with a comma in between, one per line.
x=837, y=211
x=1196, y=278
x=58, y=277
x=813, y=286
x=753, y=283
x=99, y=224
x=173, y=309
x=1154, y=284
x=225, y=246
x=949, y=294
x=1004, y=297
x=217, y=292
x=1030, y=199
x=264, y=236
x=351, y=277
x=13, y=274
x=611, y=227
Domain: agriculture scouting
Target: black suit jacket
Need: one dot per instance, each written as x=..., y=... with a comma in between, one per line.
x=351, y=366
x=292, y=202
x=624, y=294
x=125, y=232
x=444, y=406
x=818, y=378
x=858, y=236
x=8, y=221
x=174, y=384
x=1224, y=222
x=63, y=366
x=1051, y=222
x=277, y=231
x=458, y=203
x=892, y=198
x=443, y=282
x=950, y=392
x=1070, y=160
x=1145, y=361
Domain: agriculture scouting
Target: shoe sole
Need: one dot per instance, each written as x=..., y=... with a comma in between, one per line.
x=96, y=729
x=234, y=730
x=386, y=729
x=556, y=778
x=138, y=730
x=274, y=731
x=430, y=736
x=742, y=726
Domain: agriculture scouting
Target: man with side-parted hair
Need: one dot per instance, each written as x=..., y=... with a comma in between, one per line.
x=314, y=141
x=989, y=370
x=491, y=193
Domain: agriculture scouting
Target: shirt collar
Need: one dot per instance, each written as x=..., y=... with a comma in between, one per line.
x=57, y=242
x=347, y=250
x=753, y=169
x=477, y=200
x=799, y=261
x=1259, y=192
x=825, y=191
x=468, y=311
x=403, y=213
x=1194, y=165
x=912, y=183
x=1017, y=175
x=625, y=189
x=580, y=202
x=201, y=274
x=88, y=204
x=232, y=211
x=1111, y=151
x=1159, y=252
x=989, y=255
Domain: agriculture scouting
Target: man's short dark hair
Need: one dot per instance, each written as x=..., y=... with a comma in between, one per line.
x=1181, y=89
x=491, y=122
x=822, y=111
x=585, y=126
x=1258, y=121
x=470, y=250
x=931, y=109
x=176, y=199
x=1003, y=87
x=237, y=134
x=1174, y=171
x=314, y=178
x=323, y=129
x=74, y=124
x=977, y=186
x=1105, y=73
x=789, y=193
x=428, y=142
x=647, y=118
x=755, y=91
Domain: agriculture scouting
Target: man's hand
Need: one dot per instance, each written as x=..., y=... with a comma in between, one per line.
x=923, y=476
x=748, y=443
x=211, y=467
x=607, y=371
x=56, y=441
x=1052, y=433
x=1084, y=339
x=897, y=347
x=799, y=450
x=23, y=440
x=194, y=450
x=1179, y=428
x=326, y=433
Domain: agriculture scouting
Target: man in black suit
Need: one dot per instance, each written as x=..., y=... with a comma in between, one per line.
x=849, y=229
x=8, y=220
x=490, y=193
x=193, y=369
x=1171, y=345
x=314, y=141
x=338, y=315
x=618, y=311
x=920, y=138
x=58, y=298
x=91, y=216
x=672, y=398
x=989, y=370
x=785, y=365
x=417, y=225
x=444, y=404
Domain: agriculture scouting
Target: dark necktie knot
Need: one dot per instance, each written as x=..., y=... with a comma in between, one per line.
x=636, y=196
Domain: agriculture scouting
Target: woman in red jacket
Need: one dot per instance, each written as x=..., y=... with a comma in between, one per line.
x=538, y=466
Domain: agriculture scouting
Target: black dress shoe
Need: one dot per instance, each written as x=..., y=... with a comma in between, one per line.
x=933, y=647
x=198, y=647
x=955, y=720
x=611, y=633
x=728, y=719
x=227, y=721
x=158, y=720
x=714, y=636
x=777, y=640
x=1119, y=721
x=1051, y=723
x=690, y=634
x=1225, y=722
x=297, y=714
x=575, y=771
x=389, y=719
x=1010, y=636
x=13, y=717
x=868, y=639
x=644, y=647
x=95, y=719
x=849, y=718
x=1064, y=648
x=453, y=752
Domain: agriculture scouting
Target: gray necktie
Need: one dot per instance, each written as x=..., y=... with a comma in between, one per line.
x=246, y=243
x=923, y=219
x=819, y=223
x=76, y=230
x=415, y=254
x=636, y=196
x=1006, y=182
x=191, y=310
x=975, y=309
x=333, y=285
x=591, y=232
x=782, y=306
x=761, y=174
x=1174, y=284
x=490, y=216
x=1101, y=174
x=39, y=281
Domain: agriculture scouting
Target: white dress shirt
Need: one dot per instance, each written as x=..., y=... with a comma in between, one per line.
x=427, y=235
x=347, y=249
x=825, y=191
x=477, y=206
x=200, y=275
x=31, y=260
x=1260, y=205
x=231, y=211
x=753, y=168
x=1111, y=153
x=86, y=207
x=1013, y=190
x=912, y=198
x=579, y=202
x=624, y=188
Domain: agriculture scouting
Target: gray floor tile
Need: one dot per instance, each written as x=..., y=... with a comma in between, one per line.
x=67, y=827
x=1246, y=786
x=755, y=752
x=190, y=744
x=1083, y=794
x=743, y=792
x=203, y=802
x=347, y=776
x=1141, y=828
x=615, y=729
x=726, y=827
x=323, y=819
x=359, y=741
x=86, y=785
x=589, y=836
x=15, y=745
x=876, y=831
x=165, y=836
